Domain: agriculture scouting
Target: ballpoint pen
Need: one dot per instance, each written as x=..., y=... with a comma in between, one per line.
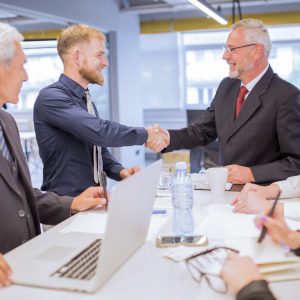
x=159, y=211
x=103, y=183
x=270, y=214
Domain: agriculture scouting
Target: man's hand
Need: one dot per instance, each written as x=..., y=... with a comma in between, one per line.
x=124, y=173
x=238, y=271
x=239, y=175
x=5, y=272
x=90, y=198
x=158, y=138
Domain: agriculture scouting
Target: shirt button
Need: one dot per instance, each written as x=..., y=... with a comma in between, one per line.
x=14, y=168
x=21, y=213
x=28, y=216
x=229, y=144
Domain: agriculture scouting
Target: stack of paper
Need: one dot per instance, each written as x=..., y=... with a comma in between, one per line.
x=228, y=225
x=224, y=228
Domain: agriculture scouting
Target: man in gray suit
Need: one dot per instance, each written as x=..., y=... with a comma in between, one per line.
x=255, y=114
x=22, y=206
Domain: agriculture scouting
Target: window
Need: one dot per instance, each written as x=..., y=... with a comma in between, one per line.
x=44, y=67
x=204, y=67
x=183, y=70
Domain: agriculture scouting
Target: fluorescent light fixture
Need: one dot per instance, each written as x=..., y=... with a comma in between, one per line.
x=209, y=10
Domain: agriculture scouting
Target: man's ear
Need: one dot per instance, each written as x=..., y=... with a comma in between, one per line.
x=259, y=50
x=76, y=55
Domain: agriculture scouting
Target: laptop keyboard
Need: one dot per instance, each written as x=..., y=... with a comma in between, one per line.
x=83, y=265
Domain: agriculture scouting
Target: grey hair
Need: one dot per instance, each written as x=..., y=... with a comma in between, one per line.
x=8, y=36
x=256, y=32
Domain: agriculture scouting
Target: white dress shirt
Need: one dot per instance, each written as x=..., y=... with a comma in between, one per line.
x=250, y=85
x=290, y=188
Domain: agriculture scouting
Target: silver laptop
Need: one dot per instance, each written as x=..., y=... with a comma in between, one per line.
x=83, y=261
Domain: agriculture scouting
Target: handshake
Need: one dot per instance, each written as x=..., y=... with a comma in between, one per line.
x=158, y=138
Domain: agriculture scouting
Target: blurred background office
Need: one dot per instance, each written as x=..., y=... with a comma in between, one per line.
x=165, y=60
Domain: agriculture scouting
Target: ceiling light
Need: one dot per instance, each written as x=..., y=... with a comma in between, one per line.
x=209, y=10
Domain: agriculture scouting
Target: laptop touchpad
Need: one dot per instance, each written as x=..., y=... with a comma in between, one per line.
x=55, y=253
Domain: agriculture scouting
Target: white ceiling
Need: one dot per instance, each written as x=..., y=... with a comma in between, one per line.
x=155, y=10
x=162, y=9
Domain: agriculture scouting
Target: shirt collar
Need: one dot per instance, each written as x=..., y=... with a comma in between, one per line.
x=250, y=85
x=76, y=88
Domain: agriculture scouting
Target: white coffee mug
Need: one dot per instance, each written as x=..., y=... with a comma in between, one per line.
x=217, y=178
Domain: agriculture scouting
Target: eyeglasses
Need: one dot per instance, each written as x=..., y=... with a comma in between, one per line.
x=230, y=50
x=208, y=264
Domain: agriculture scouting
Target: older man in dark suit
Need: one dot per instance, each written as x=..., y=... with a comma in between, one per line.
x=255, y=114
x=22, y=206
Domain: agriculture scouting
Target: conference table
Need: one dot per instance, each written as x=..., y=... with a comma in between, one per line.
x=148, y=275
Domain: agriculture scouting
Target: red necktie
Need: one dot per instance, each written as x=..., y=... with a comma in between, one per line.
x=240, y=100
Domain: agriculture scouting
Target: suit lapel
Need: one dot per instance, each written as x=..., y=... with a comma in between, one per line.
x=6, y=174
x=13, y=141
x=251, y=104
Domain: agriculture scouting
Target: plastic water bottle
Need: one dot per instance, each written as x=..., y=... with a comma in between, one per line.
x=182, y=199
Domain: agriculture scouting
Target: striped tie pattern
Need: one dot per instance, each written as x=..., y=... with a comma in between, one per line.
x=98, y=163
x=3, y=147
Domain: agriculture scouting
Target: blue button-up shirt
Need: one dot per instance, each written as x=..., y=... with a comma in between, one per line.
x=66, y=133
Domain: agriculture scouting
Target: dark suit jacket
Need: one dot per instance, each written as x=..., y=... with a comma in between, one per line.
x=265, y=136
x=45, y=207
x=255, y=290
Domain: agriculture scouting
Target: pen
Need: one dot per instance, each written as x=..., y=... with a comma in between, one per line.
x=270, y=214
x=159, y=211
x=103, y=182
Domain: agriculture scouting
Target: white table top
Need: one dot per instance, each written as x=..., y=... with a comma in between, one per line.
x=148, y=275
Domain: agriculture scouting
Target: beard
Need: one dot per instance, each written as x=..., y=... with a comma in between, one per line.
x=240, y=70
x=92, y=76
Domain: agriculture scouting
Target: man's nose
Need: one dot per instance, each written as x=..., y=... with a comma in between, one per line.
x=25, y=76
x=226, y=55
x=105, y=62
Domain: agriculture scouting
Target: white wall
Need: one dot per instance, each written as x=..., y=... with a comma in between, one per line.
x=105, y=15
x=160, y=74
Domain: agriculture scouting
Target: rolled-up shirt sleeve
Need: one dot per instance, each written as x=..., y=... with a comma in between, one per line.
x=290, y=188
x=59, y=110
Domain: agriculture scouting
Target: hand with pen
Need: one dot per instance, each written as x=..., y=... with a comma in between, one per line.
x=240, y=272
x=277, y=228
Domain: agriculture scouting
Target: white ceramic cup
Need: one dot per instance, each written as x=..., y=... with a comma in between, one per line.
x=217, y=178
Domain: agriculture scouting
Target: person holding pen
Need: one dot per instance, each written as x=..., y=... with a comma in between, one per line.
x=241, y=273
x=254, y=199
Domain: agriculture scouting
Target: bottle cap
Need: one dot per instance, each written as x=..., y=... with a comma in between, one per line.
x=181, y=165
